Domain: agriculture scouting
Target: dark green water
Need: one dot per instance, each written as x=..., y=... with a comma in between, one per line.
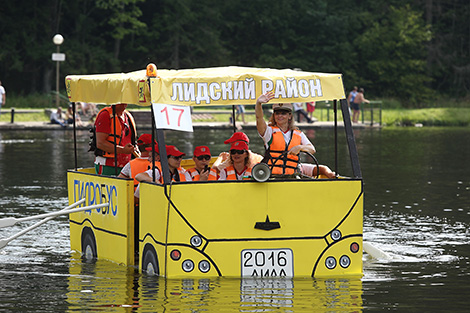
x=416, y=208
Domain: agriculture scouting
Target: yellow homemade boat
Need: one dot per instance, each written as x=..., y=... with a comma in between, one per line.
x=219, y=228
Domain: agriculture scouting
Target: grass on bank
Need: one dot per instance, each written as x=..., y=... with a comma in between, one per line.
x=451, y=112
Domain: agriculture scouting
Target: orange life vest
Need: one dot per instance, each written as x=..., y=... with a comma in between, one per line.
x=287, y=163
x=118, y=135
x=232, y=173
x=138, y=166
x=195, y=174
x=180, y=171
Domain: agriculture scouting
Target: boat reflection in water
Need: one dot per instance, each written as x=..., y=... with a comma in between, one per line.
x=101, y=284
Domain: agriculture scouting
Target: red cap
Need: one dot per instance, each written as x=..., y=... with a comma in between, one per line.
x=201, y=150
x=156, y=149
x=239, y=145
x=238, y=136
x=172, y=150
x=145, y=139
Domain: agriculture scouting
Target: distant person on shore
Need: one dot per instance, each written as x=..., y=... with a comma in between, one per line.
x=3, y=97
x=69, y=117
x=240, y=111
x=358, y=100
x=113, y=129
x=56, y=117
x=299, y=109
x=351, y=97
x=310, y=109
x=88, y=109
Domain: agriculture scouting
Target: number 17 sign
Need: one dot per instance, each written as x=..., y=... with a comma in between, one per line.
x=173, y=117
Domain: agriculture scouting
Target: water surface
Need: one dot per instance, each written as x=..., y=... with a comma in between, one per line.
x=416, y=209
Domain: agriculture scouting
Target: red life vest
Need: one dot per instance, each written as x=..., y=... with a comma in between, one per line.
x=287, y=163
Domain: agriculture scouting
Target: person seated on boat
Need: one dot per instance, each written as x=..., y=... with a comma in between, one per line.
x=201, y=170
x=224, y=158
x=240, y=163
x=141, y=163
x=282, y=139
x=106, y=130
x=177, y=173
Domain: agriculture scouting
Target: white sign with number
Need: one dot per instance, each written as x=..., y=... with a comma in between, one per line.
x=173, y=117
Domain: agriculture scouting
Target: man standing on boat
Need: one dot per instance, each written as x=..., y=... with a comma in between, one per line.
x=115, y=135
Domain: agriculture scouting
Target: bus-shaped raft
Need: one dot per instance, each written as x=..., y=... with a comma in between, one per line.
x=244, y=228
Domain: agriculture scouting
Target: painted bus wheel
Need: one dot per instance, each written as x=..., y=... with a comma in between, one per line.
x=88, y=244
x=149, y=261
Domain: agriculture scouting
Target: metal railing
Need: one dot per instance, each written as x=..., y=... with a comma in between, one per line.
x=373, y=111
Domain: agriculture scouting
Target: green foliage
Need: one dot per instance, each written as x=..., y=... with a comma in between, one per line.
x=409, y=51
x=396, y=60
x=427, y=117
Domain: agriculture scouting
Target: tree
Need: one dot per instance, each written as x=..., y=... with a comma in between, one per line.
x=392, y=55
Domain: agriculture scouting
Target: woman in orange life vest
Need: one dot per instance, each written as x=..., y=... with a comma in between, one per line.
x=141, y=163
x=201, y=171
x=281, y=136
x=105, y=137
x=239, y=163
x=224, y=158
x=177, y=173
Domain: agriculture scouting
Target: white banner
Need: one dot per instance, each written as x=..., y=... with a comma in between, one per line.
x=173, y=117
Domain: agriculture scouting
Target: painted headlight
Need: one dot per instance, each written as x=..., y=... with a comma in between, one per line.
x=195, y=241
x=344, y=261
x=330, y=262
x=188, y=265
x=204, y=266
x=335, y=235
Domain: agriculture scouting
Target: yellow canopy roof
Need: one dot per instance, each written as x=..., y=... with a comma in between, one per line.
x=205, y=86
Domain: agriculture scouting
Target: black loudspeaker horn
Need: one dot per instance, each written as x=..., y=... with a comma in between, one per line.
x=261, y=172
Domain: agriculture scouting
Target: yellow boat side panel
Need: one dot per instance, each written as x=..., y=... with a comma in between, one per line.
x=303, y=219
x=112, y=226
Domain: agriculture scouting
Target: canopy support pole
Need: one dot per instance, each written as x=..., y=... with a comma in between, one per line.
x=350, y=139
x=335, y=108
x=234, y=126
x=115, y=141
x=74, y=135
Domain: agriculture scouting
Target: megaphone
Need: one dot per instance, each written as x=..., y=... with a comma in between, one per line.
x=261, y=172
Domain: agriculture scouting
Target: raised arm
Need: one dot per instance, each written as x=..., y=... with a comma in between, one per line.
x=260, y=123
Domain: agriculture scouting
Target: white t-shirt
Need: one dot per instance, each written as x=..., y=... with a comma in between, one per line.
x=268, y=135
x=2, y=92
x=150, y=172
x=298, y=106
